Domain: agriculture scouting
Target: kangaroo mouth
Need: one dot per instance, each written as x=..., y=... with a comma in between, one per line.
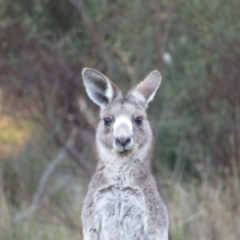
x=124, y=151
x=123, y=148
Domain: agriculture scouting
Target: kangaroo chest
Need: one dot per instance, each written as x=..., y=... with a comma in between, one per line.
x=120, y=212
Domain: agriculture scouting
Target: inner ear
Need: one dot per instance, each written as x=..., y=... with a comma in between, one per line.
x=99, y=88
x=146, y=90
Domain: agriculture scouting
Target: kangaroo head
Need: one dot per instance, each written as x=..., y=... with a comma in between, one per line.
x=123, y=130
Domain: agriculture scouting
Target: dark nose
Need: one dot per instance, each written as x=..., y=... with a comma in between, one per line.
x=122, y=141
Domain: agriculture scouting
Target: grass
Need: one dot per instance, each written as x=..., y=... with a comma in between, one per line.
x=32, y=230
x=196, y=212
x=205, y=212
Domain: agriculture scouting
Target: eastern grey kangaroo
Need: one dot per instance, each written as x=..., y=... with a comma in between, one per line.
x=123, y=202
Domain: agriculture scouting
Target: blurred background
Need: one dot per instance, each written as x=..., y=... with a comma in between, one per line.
x=47, y=122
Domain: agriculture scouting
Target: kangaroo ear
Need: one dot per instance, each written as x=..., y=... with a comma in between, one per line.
x=99, y=88
x=146, y=90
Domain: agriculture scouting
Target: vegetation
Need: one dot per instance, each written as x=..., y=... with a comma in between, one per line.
x=47, y=122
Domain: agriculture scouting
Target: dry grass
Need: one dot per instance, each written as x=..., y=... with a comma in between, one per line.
x=196, y=212
x=205, y=212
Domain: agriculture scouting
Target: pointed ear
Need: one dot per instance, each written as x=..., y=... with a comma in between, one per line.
x=99, y=88
x=146, y=90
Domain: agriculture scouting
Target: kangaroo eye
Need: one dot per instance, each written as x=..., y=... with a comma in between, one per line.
x=107, y=121
x=138, y=120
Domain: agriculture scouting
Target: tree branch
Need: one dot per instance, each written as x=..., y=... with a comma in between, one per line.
x=43, y=180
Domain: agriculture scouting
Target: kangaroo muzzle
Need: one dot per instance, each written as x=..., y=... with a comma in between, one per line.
x=123, y=135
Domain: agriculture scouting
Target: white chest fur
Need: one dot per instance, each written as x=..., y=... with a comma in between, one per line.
x=120, y=212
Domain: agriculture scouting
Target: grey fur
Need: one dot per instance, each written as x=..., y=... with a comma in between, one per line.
x=123, y=202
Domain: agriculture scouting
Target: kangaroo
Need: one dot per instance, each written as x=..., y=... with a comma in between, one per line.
x=123, y=202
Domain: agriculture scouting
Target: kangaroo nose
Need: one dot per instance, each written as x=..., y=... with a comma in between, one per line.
x=122, y=141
